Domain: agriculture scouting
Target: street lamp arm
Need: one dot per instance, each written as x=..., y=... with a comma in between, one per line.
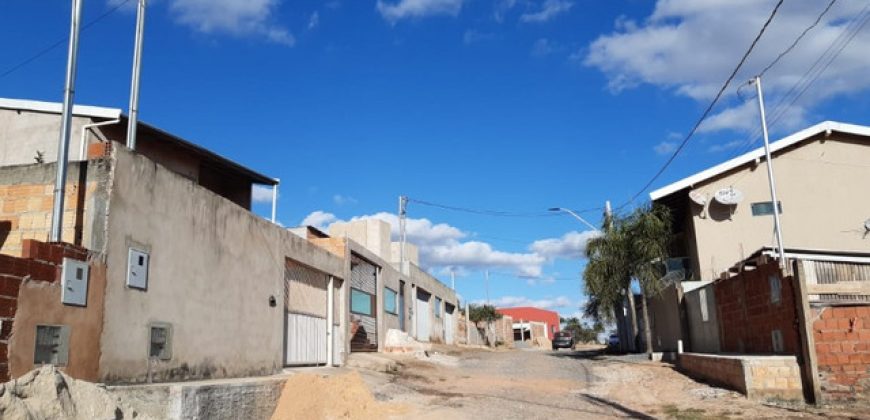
x=577, y=216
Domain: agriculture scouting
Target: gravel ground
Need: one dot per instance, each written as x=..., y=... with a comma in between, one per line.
x=516, y=384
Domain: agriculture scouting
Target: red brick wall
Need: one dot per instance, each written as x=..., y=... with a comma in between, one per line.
x=40, y=262
x=842, y=336
x=747, y=317
x=534, y=314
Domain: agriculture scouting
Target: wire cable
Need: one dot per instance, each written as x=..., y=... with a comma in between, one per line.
x=61, y=41
x=709, y=108
x=495, y=213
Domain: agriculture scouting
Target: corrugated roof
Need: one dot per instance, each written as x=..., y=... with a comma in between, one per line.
x=758, y=154
x=115, y=113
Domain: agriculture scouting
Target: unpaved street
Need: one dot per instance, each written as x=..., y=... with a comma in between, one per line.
x=519, y=384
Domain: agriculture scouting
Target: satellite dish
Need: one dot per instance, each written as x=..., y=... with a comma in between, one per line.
x=698, y=198
x=867, y=225
x=729, y=196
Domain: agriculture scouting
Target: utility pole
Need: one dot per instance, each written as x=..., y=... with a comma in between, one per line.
x=133, y=118
x=403, y=211
x=486, y=279
x=776, y=223
x=66, y=122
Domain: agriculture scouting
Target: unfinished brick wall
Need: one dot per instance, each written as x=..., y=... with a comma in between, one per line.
x=758, y=377
x=748, y=317
x=842, y=339
x=39, y=262
x=26, y=200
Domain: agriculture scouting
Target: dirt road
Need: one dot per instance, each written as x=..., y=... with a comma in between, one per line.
x=516, y=384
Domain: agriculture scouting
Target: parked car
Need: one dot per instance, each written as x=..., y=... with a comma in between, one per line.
x=563, y=340
x=613, y=342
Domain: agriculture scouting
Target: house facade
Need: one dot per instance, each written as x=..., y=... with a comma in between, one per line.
x=164, y=273
x=821, y=173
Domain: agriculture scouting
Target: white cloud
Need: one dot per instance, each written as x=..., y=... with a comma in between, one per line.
x=261, y=194
x=318, y=219
x=688, y=47
x=442, y=245
x=341, y=200
x=402, y=9
x=314, y=20
x=665, y=147
x=571, y=245
x=514, y=301
x=549, y=10
x=234, y=17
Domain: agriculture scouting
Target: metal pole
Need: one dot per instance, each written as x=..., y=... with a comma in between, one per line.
x=776, y=223
x=452, y=279
x=330, y=309
x=137, y=69
x=403, y=204
x=66, y=123
x=275, y=200
x=486, y=275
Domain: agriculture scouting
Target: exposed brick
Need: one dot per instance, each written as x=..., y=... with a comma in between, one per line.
x=8, y=306
x=5, y=329
x=99, y=150
x=9, y=285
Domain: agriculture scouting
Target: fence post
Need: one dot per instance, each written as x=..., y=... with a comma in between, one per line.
x=809, y=367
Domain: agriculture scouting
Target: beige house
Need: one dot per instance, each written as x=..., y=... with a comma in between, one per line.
x=822, y=178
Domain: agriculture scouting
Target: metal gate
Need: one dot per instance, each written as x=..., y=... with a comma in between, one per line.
x=423, y=314
x=305, y=306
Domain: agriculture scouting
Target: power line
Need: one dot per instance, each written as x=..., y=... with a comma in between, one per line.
x=61, y=41
x=798, y=39
x=495, y=213
x=708, y=110
x=813, y=73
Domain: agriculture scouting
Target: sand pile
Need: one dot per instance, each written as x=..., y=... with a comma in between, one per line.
x=47, y=393
x=309, y=396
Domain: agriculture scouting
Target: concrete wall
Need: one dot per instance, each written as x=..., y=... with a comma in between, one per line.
x=758, y=377
x=820, y=184
x=703, y=333
x=664, y=312
x=23, y=133
x=30, y=295
x=213, y=268
x=373, y=234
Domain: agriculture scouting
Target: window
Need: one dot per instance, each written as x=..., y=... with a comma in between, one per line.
x=775, y=288
x=52, y=345
x=765, y=208
x=390, y=300
x=361, y=302
x=705, y=312
x=437, y=307
x=160, y=341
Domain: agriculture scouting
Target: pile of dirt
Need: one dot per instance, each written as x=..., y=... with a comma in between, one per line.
x=47, y=393
x=310, y=396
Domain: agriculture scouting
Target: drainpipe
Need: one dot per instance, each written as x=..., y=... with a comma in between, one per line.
x=330, y=308
x=66, y=122
x=85, y=128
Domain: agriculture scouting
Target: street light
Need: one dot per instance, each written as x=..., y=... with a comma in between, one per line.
x=577, y=216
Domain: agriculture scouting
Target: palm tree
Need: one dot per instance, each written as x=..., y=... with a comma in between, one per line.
x=632, y=248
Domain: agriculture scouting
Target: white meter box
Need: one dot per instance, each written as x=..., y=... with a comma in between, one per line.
x=74, y=282
x=137, y=269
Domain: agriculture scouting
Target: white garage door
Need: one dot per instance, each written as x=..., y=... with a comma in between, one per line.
x=423, y=315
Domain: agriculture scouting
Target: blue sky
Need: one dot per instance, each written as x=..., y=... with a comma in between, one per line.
x=509, y=105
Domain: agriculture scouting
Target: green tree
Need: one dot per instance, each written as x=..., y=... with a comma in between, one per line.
x=632, y=248
x=484, y=314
